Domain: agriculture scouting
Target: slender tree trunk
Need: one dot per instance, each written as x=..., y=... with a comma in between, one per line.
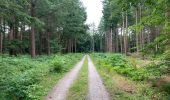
x=11, y=37
x=117, y=43
x=75, y=46
x=48, y=42
x=32, y=38
x=141, y=31
x=4, y=39
x=125, y=35
x=21, y=37
x=137, y=39
x=121, y=42
x=1, y=35
x=69, y=45
x=110, y=40
x=105, y=41
x=48, y=37
x=32, y=35
x=101, y=44
x=93, y=43
x=123, y=18
x=72, y=46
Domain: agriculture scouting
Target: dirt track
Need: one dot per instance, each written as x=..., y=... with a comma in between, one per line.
x=59, y=92
x=97, y=90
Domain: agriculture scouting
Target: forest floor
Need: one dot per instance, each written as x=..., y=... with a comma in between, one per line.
x=99, y=76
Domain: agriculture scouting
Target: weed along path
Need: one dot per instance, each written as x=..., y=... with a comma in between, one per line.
x=59, y=92
x=97, y=90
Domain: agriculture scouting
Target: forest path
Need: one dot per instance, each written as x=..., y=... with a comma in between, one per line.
x=97, y=90
x=59, y=92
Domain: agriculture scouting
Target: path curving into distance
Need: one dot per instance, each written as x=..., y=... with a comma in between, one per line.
x=97, y=90
x=59, y=92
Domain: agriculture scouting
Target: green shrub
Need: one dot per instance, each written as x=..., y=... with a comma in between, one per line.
x=19, y=85
x=122, y=65
x=56, y=67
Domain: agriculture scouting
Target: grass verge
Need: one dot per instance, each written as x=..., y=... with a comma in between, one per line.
x=78, y=90
x=112, y=82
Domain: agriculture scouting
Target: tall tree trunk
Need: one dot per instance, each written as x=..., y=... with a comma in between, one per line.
x=117, y=37
x=21, y=36
x=75, y=46
x=11, y=37
x=137, y=39
x=93, y=43
x=101, y=44
x=48, y=37
x=121, y=42
x=48, y=42
x=1, y=35
x=141, y=31
x=32, y=40
x=106, y=43
x=110, y=40
x=32, y=35
x=125, y=35
x=4, y=38
x=72, y=45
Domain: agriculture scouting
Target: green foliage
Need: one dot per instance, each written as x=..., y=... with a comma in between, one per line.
x=63, y=19
x=20, y=77
x=56, y=66
x=124, y=66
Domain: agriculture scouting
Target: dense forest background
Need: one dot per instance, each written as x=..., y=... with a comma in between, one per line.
x=135, y=26
x=42, y=26
x=50, y=26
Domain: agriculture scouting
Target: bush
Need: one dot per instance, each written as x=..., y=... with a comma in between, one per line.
x=19, y=85
x=56, y=66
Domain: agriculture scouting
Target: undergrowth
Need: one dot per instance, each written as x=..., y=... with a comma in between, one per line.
x=22, y=78
x=122, y=65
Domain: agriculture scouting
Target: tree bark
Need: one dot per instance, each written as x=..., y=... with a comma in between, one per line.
x=32, y=35
x=121, y=42
x=1, y=36
x=141, y=31
x=105, y=35
x=101, y=44
x=11, y=37
x=125, y=35
x=75, y=46
x=137, y=39
x=4, y=38
x=48, y=42
x=110, y=40
x=117, y=37
x=123, y=38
